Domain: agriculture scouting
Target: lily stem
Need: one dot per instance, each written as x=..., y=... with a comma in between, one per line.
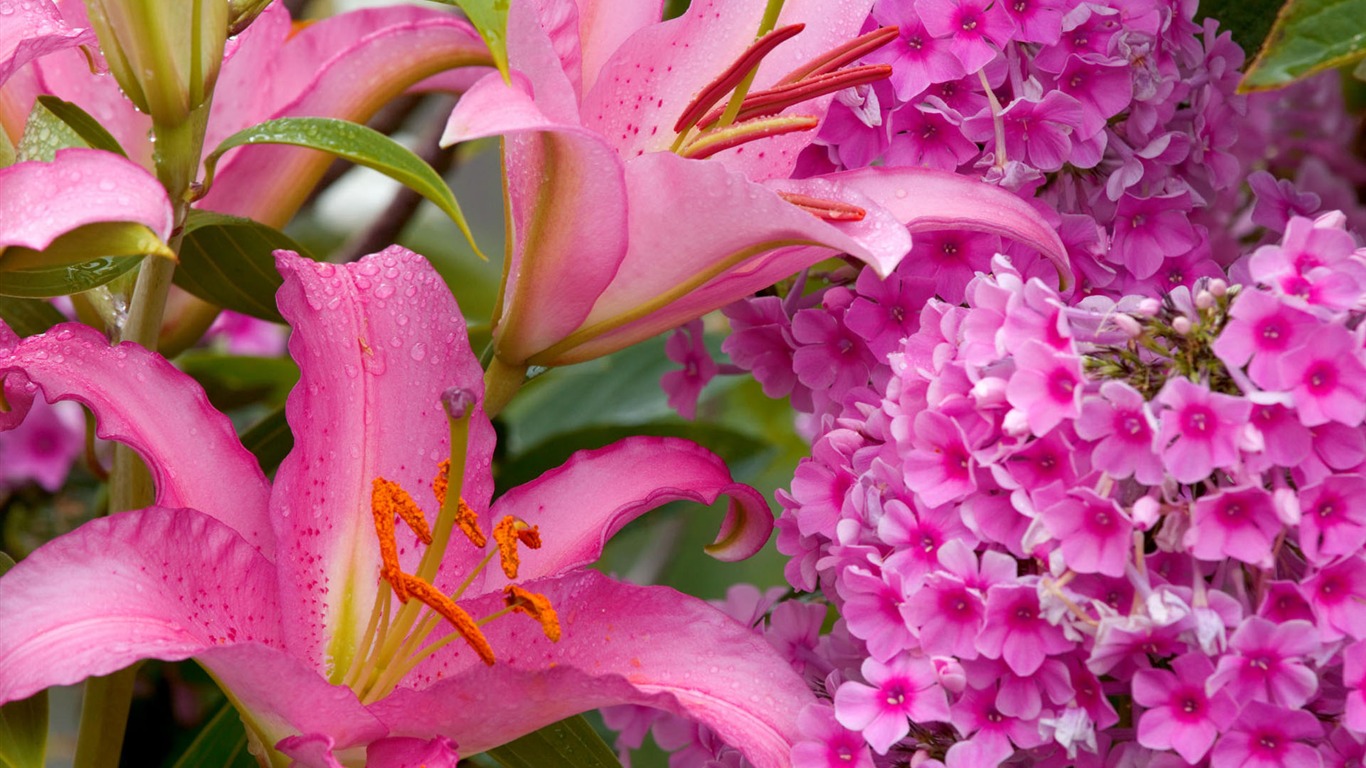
x=104, y=713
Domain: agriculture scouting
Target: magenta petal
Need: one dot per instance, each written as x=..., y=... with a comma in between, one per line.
x=622, y=644
x=144, y=402
x=377, y=342
x=41, y=201
x=584, y=502
x=406, y=751
x=571, y=225
x=927, y=200
x=34, y=29
x=344, y=67
x=136, y=585
x=18, y=394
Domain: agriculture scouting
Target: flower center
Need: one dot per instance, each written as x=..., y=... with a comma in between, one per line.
x=395, y=640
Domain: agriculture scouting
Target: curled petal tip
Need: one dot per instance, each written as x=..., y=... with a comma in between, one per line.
x=747, y=526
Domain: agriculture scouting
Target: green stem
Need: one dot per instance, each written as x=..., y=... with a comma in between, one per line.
x=501, y=382
x=104, y=715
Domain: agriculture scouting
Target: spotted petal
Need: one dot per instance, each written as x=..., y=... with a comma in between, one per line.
x=144, y=402
x=621, y=644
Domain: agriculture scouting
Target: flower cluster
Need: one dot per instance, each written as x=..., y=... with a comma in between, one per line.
x=1125, y=528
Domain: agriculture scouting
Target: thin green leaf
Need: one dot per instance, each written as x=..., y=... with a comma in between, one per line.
x=44, y=134
x=23, y=724
x=269, y=440
x=229, y=261
x=572, y=743
x=221, y=743
x=86, y=127
x=29, y=316
x=490, y=18
x=354, y=142
x=1309, y=36
x=84, y=258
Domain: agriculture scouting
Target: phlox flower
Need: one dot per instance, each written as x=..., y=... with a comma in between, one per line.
x=1198, y=429
x=1333, y=517
x=1094, y=532
x=1337, y=595
x=1122, y=425
x=1046, y=386
x=990, y=735
x=918, y=58
x=1017, y=631
x=1034, y=21
x=872, y=611
x=1180, y=715
x=1148, y=230
x=1265, y=663
x=1261, y=329
x=905, y=689
x=1326, y=379
x=43, y=448
x=927, y=134
x=1354, y=676
x=940, y=468
x=1234, y=522
x=828, y=744
x=687, y=348
x=1266, y=736
x=969, y=28
x=947, y=616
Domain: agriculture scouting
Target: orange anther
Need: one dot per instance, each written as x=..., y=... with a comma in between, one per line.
x=389, y=497
x=388, y=548
x=506, y=534
x=441, y=481
x=535, y=605
x=458, y=618
x=465, y=516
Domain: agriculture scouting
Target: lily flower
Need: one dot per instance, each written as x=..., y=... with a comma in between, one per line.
x=355, y=609
x=637, y=201
x=35, y=29
x=345, y=66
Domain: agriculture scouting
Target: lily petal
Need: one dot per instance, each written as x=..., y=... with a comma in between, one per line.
x=136, y=585
x=621, y=644
x=345, y=67
x=377, y=342
x=41, y=201
x=570, y=225
x=196, y=459
x=604, y=25
x=17, y=390
x=577, y=512
x=33, y=29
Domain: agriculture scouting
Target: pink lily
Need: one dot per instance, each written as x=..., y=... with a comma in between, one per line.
x=345, y=67
x=632, y=210
x=35, y=29
x=290, y=595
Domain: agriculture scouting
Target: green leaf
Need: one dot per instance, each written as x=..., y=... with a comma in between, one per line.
x=228, y=261
x=269, y=440
x=23, y=724
x=1248, y=20
x=29, y=316
x=354, y=142
x=87, y=128
x=221, y=743
x=44, y=134
x=490, y=18
x=84, y=258
x=572, y=742
x=1309, y=36
x=232, y=381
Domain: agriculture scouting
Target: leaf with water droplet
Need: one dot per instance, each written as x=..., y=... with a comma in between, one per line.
x=84, y=258
x=29, y=316
x=354, y=142
x=228, y=261
x=571, y=742
x=490, y=18
x=86, y=127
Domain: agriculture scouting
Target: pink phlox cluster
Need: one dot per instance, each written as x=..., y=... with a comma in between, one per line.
x=43, y=448
x=1068, y=510
x=683, y=386
x=241, y=334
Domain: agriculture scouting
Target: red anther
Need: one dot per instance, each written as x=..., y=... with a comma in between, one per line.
x=775, y=100
x=711, y=142
x=821, y=208
x=731, y=77
x=845, y=54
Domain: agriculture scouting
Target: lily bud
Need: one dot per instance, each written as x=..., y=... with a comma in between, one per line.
x=165, y=54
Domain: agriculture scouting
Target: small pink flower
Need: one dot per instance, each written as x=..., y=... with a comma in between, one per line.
x=1337, y=595
x=1264, y=663
x=1121, y=423
x=900, y=691
x=1261, y=328
x=43, y=448
x=1354, y=676
x=968, y=27
x=1333, y=517
x=1017, y=631
x=1239, y=523
x=1093, y=532
x=1046, y=386
x=686, y=347
x=1198, y=430
x=828, y=744
x=1326, y=379
x=1266, y=736
x=1181, y=716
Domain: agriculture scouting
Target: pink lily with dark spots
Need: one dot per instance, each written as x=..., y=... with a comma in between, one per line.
x=648, y=178
x=370, y=606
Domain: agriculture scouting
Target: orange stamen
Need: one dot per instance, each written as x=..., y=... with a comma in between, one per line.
x=465, y=516
x=830, y=210
x=535, y=605
x=507, y=533
x=776, y=99
x=400, y=503
x=458, y=618
x=388, y=547
x=731, y=77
